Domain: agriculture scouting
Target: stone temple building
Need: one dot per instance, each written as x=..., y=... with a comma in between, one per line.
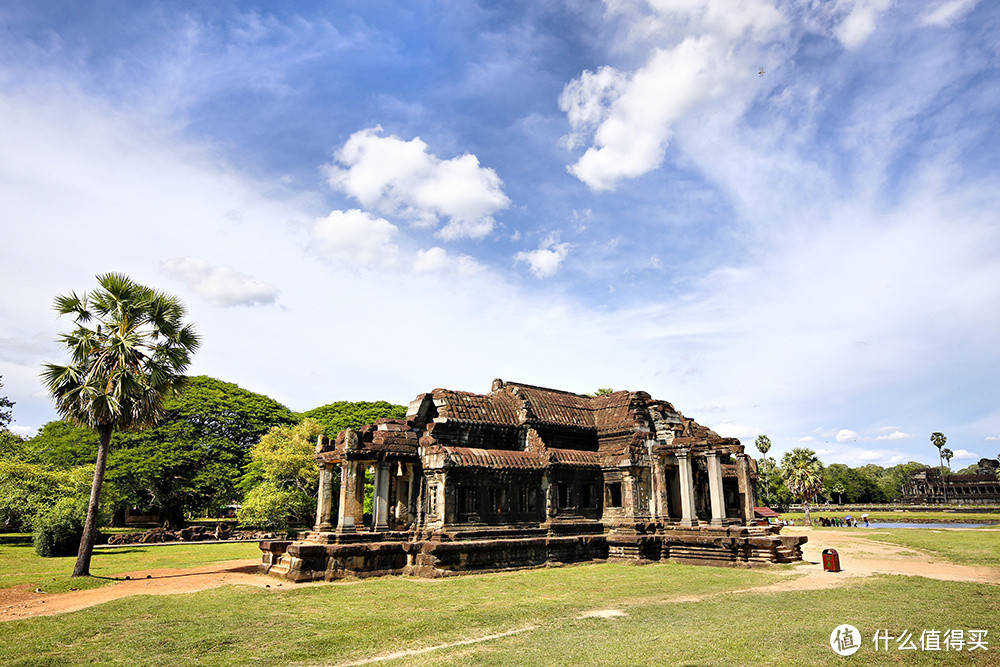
x=525, y=476
x=929, y=486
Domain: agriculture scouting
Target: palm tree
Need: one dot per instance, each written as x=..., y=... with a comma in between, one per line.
x=840, y=491
x=803, y=476
x=938, y=439
x=122, y=370
x=947, y=455
x=763, y=446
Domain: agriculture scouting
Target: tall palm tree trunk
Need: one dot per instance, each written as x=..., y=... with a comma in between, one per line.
x=82, y=568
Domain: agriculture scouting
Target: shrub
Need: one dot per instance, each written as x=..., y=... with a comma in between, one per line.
x=59, y=529
x=269, y=506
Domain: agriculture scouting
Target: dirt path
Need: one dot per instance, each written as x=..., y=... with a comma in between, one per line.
x=859, y=557
x=18, y=602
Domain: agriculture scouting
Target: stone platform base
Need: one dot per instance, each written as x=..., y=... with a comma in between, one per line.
x=330, y=556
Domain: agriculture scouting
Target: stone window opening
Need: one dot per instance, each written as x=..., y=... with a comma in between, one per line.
x=497, y=499
x=614, y=490
x=466, y=501
x=562, y=489
x=589, y=496
x=432, y=499
x=532, y=500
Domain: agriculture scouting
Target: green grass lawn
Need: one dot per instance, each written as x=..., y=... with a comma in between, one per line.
x=916, y=517
x=20, y=565
x=340, y=622
x=966, y=547
x=333, y=623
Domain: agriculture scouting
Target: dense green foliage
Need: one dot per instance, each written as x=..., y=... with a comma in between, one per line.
x=63, y=445
x=270, y=506
x=192, y=462
x=29, y=489
x=287, y=455
x=197, y=460
x=335, y=417
x=5, y=409
x=282, y=478
x=57, y=531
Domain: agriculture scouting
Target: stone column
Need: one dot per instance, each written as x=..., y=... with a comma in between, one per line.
x=715, y=489
x=351, y=509
x=551, y=495
x=688, y=517
x=324, y=499
x=412, y=489
x=746, y=487
x=660, y=502
x=380, y=501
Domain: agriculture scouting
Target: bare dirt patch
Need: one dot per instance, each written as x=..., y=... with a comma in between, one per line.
x=860, y=557
x=602, y=613
x=23, y=602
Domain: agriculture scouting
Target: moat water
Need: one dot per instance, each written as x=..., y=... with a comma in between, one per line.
x=894, y=524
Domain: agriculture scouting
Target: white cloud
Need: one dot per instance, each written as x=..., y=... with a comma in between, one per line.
x=354, y=239
x=735, y=430
x=965, y=454
x=993, y=437
x=807, y=439
x=23, y=431
x=219, y=285
x=437, y=260
x=630, y=116
x=947, y=12
x=847, y=435
x=895, y=435
x=870, y=455
x=546, y=260
x=860, y=22
x=397, y=177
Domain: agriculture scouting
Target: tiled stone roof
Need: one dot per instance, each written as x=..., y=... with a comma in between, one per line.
x=516, y=416
x=505, y=459
x=466, y=406
x=497, y=459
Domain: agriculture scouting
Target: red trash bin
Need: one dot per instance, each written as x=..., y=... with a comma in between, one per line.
x=831, y=560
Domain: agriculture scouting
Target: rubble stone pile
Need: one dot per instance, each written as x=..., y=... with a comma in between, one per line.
x=221, y=531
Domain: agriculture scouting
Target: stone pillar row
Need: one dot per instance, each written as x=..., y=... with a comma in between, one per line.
x=688, y=517
x=716, y=498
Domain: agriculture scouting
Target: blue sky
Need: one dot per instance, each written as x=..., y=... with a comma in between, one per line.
x=780, y=216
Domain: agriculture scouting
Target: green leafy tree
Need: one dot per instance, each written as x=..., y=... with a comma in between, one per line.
x=13, y=447
x=270, y=506
x=194, y=459
x=284, y=465
x=895, y=477
x=5, y=409
x=803, y=474
x=64, y=445
x=29, y=489
x=335, y=417
x=287, y=455
x=129, y=349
